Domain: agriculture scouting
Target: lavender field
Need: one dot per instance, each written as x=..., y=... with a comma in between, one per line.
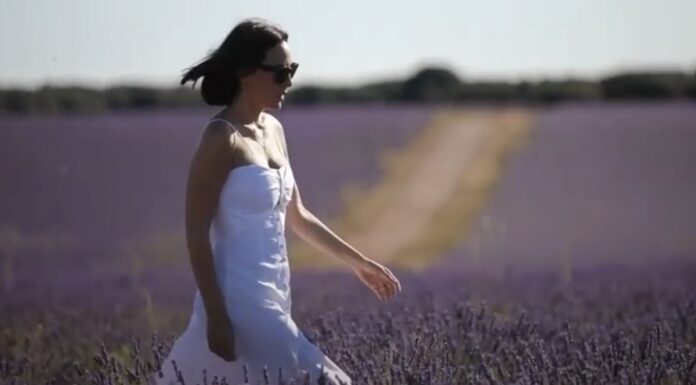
x=597, y=183
x=106, y=191
x=581, y=270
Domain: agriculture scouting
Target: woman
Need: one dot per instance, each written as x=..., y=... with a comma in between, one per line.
x=240, y=193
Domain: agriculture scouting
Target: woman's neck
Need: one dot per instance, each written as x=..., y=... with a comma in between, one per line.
x=244, y=110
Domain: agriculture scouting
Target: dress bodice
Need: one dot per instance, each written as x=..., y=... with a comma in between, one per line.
x=253, y=198
x=248, y=235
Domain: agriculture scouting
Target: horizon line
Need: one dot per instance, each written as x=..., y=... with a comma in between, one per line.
x=395, y=76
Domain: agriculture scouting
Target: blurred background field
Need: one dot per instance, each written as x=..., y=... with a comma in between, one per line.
x=584, y=204
x=541, y=216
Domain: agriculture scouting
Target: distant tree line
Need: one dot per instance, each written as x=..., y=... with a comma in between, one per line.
x=429, y=85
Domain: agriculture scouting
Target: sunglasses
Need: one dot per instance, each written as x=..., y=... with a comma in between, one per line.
x=281, y=73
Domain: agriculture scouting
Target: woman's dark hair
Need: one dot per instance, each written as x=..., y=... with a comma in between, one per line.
x=240, y=53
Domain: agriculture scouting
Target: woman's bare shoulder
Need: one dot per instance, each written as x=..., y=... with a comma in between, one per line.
x=218, y=136
x=218, y=128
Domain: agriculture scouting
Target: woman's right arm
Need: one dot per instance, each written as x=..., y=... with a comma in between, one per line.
x=207, y=173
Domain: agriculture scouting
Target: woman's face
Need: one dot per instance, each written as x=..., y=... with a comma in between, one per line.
x=261, y=85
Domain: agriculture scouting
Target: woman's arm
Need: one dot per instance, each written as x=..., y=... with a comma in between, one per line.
x=308, y=227
x=312, y=230
x=208, y=170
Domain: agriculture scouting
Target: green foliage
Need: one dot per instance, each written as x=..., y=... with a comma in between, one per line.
x=50, y=100
x=429, y=85
x=644, y=85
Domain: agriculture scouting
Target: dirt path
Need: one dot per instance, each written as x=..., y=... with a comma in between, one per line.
x=605, y=184
x=431, y=190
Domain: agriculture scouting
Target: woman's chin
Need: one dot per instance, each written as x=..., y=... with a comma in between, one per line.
x=277, y=105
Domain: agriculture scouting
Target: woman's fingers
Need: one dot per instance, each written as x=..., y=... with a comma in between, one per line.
x=384, y=285
x=390, y=281
x=218, y=349
x=222, y=349
x=395, y=280
x=229, y=347
x=381, y=292
x=389, y=276
x=377, y=286
x=228, y=351
x=382, y=281
x=215, y=348
x=229, y=354
x=384, y=290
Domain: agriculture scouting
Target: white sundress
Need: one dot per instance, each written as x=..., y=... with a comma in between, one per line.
x=250, y=254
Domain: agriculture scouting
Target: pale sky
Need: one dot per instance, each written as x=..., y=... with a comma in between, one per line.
x=98, y=42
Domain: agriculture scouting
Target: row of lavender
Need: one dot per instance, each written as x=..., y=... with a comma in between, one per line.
x=616, y=326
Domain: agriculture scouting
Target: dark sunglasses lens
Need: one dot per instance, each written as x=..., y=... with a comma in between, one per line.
x=283, y=74
x=280, y=76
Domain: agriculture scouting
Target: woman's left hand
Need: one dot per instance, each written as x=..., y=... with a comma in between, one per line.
x=378, y=278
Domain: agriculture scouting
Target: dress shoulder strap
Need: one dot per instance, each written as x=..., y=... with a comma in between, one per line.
x=234, y=129
x=224, y=120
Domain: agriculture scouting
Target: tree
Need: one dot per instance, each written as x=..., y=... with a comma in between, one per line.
x=430, y=85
